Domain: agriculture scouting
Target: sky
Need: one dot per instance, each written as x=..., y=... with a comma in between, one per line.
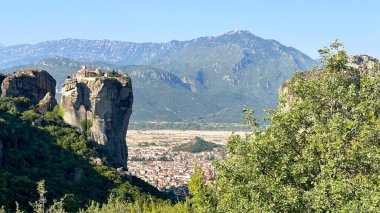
x=306, y=25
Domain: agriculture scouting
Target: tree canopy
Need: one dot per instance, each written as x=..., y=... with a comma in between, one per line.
x=320, y=154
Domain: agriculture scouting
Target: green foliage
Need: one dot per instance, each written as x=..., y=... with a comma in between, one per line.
x=198, y=145
x=113, y=73
x=321, y=154
x=14, y=105
x=139, y=206
x=39, y=205
x=249, y=119
x=202, y=200
x=39, y=147
x=114, y=204
x=334, y=57
x=59, y=111
x=86, y=125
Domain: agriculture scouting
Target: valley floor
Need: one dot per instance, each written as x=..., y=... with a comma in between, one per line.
x=151, y=158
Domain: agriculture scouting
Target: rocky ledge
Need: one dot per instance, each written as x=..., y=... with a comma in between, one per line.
x=100, y=106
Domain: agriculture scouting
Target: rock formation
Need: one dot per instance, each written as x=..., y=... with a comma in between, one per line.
x=1, y=81
x=2, y=77
x=37, y=85
x=100, y=106
x=363, y=63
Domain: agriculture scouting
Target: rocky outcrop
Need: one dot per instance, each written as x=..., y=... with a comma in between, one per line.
x=47, y=103
x=37, y=85
x=363, y=63
x=100, y=107
x=1, y=81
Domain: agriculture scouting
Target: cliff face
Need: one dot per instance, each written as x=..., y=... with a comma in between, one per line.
x=101, y=107
x=1, y=81
x=37, y=85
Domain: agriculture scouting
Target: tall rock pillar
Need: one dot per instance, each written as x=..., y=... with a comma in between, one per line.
x=101, y=107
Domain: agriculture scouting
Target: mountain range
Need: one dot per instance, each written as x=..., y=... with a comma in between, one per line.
x=206, y=79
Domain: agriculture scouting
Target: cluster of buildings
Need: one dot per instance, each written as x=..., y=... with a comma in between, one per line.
x=87, y=72
x=171, y=171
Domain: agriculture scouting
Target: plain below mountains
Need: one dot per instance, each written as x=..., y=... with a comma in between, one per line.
x=207, y=79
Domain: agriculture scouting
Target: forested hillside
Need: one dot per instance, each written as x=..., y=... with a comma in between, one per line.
x=37, y=147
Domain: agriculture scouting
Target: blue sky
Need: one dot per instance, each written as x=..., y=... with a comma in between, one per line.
x=304, y=24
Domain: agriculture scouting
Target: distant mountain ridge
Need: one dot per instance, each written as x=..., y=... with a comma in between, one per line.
x=208, y=78
x=119, y=52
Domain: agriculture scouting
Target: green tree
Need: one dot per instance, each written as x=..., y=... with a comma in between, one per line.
x=319, y=154
x=58, y=111
x=39, y=205
x=202, y=200
x=86, y=125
